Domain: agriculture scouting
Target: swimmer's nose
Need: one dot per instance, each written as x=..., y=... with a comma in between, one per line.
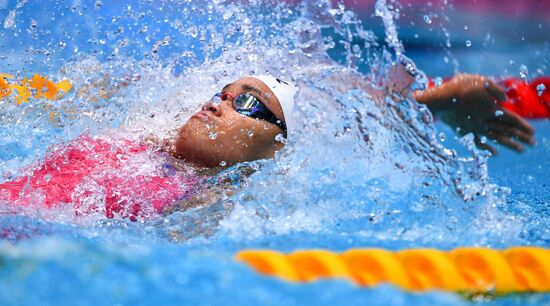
x=212, y=107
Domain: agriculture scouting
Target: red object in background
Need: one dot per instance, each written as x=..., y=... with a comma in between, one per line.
x=524, y=98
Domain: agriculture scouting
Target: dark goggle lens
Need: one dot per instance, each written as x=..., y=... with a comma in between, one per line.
x=247, y=104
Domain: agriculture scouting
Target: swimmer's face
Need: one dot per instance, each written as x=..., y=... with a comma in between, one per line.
x=219, y=135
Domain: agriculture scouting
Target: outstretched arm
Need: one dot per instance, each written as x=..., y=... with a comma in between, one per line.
x=470, y=104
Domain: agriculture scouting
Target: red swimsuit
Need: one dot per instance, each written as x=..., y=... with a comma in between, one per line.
x=99, y=176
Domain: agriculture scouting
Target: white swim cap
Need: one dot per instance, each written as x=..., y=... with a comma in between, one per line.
x=284, y=91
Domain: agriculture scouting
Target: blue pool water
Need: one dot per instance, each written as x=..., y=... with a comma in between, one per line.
x=327, y=189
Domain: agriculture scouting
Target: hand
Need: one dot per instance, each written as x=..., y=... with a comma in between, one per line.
x=469, y=103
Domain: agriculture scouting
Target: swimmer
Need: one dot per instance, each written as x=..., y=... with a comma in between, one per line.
x=250, y=117
x=469, y=103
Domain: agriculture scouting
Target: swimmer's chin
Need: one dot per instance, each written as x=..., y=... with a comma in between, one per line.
x=193, y=150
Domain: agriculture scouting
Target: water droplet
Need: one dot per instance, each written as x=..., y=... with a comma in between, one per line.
x=466, y=27
x=442, y=137
x=427, y=19
x=468, y=43
x=250, y=134
x=223, y=163
x=98, y=4
x=523, y=71
x=9, y=22
x=193, y=32
x=227, y=14
x=34, y=24
x=512, y=62
x=438, y=81
x=454, y=100
x=280, y=138
x=499, y=113
x=212, y=135
x=540, y=89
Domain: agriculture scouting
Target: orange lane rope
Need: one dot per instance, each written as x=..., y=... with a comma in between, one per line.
x=516, y=269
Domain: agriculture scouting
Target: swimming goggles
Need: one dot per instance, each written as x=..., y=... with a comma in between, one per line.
x=248, y=105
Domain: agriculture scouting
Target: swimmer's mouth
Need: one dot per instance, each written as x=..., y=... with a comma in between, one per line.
x=201, y=116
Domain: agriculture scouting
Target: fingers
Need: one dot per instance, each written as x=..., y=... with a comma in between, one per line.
x=508, y=142
x=495, y=90
x=484, y=146
x=508, y=130
x=516, y=121
x=505, y=141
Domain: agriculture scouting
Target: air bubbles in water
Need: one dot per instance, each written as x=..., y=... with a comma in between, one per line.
x=540, y=89
x=438, y=81
x=98, y=4
x=250, y=134
x=468, y=43
x=223, y=163
x=212, y=135
x=499, y=113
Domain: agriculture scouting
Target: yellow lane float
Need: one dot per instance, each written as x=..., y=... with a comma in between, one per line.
x=472, y=270
x=38, y=84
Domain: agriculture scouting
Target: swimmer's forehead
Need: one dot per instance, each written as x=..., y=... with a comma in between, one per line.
x=258, y=89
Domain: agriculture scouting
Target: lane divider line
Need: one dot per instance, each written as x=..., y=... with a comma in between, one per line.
x=468, y=269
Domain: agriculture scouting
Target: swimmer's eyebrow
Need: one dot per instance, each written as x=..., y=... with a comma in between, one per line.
x=226, y=86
